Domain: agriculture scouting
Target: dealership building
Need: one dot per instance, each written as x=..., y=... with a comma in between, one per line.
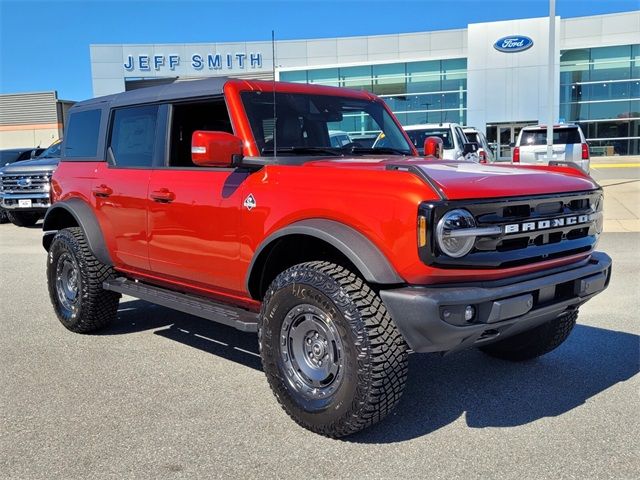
x=493, y=76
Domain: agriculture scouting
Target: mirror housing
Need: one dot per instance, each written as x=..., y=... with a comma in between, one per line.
x=470, y=147
x=214, y=149
x=433, y=147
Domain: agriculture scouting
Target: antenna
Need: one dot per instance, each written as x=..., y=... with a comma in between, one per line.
x=273, y=56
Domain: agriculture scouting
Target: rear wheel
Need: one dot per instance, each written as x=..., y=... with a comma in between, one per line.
x=24, y=219
x=332, y=354
x=75, y=278
x=536, y=342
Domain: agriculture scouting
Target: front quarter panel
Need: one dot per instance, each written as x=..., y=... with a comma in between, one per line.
x=381, y=205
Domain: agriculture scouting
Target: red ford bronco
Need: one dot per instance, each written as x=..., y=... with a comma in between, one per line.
x=226, y=199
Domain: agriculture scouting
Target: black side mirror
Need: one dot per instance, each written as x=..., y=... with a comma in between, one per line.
x=471, y=147
x=512, y=144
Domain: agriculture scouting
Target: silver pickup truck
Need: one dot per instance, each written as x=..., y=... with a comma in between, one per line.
x=25, y=187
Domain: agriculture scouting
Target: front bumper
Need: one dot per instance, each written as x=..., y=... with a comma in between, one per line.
x=431, y=319
x=37, y=201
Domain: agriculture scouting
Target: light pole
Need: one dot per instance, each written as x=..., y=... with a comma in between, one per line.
x=552, y=78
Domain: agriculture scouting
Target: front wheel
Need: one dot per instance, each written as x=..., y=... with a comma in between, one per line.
x=4, y=218
x=75, y=277
x=535, y=342
x=331, y=353
x=24, y=219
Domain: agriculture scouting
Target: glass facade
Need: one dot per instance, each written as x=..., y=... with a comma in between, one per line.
x=600, y=90
x=417, y=92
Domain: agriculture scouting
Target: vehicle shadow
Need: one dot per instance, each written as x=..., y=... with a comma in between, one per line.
x=489, y=392
x=216, y=339
x=496, y=393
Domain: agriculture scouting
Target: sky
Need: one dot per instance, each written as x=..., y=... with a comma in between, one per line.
x=44, y=45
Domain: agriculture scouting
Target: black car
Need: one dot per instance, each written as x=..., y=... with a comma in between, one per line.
x=12, y=155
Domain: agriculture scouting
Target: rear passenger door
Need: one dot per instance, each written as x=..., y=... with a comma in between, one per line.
x=120, y=191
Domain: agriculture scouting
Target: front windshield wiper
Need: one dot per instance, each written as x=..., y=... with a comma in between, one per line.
x=379, y=150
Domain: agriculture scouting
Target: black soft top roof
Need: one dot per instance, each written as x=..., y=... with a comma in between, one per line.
x=186, y=89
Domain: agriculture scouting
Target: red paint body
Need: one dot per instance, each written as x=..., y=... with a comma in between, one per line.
x=204, y=239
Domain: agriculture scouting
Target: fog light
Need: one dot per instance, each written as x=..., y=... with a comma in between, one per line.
x=469, y=313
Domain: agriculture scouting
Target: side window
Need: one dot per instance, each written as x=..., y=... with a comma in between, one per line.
x=133, y=133
x=82, y=134
x=186, y=118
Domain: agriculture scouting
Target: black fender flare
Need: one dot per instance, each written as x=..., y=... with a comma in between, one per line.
x=84, y=217
x=362, y=252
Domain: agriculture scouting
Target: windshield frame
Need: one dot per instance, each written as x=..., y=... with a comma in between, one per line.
x=242, y=124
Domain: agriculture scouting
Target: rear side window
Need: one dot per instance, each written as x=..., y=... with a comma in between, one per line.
x=472, y=137
x=560, y=136
x=82, y=134
x=133, y=134
x=418, y=137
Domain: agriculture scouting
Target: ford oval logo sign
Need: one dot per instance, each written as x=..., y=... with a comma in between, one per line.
x=513, y=43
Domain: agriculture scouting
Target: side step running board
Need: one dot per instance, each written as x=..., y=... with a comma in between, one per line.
x=195, y=305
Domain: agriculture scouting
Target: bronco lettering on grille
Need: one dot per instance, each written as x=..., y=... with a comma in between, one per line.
x=544, y=224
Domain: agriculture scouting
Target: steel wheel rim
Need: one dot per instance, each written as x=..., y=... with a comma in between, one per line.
x=311, y=351
x=67, y=281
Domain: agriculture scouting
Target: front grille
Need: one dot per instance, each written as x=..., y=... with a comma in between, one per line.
x=25, y=183
x=530, y=240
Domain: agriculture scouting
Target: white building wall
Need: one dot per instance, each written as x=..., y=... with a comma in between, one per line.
x=502, y=87
x=509, y=87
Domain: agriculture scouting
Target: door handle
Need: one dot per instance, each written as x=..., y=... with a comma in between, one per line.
x=163, y=195
x=101, y=191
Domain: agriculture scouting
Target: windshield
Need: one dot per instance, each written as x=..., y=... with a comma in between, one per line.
x=52, y=152
x=561, y=136
x=418, y=137
x=306, y=124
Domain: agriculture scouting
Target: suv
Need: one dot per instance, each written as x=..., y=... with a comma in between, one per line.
x=569, y=146
x=455, y=144
x=25, y=187
x=193, y=196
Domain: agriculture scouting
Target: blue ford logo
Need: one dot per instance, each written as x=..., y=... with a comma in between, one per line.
x=513, y=43
x=24, y=182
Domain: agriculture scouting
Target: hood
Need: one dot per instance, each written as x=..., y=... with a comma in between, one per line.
x=32, y=165
x=463, y=180
x=466, y=180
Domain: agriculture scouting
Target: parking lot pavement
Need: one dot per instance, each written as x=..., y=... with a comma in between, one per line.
x=164, y=395
x=621, y=186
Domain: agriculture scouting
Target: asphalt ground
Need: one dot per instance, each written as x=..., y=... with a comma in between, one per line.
x=161, y=394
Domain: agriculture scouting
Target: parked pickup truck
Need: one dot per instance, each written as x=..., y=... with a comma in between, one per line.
x=206, y=197
x=25, y=187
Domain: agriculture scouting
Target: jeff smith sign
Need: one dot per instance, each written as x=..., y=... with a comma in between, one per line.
x=210, y=61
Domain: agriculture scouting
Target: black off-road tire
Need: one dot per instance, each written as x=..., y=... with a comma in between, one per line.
x=24, y=219
x=536, y=342
x=4, y=218
x=374, y=368
x=94, y=307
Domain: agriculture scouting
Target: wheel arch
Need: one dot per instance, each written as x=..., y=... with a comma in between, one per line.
x=333, y=238
x=75, y=213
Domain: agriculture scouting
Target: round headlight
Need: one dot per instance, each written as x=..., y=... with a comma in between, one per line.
x=448, y=231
